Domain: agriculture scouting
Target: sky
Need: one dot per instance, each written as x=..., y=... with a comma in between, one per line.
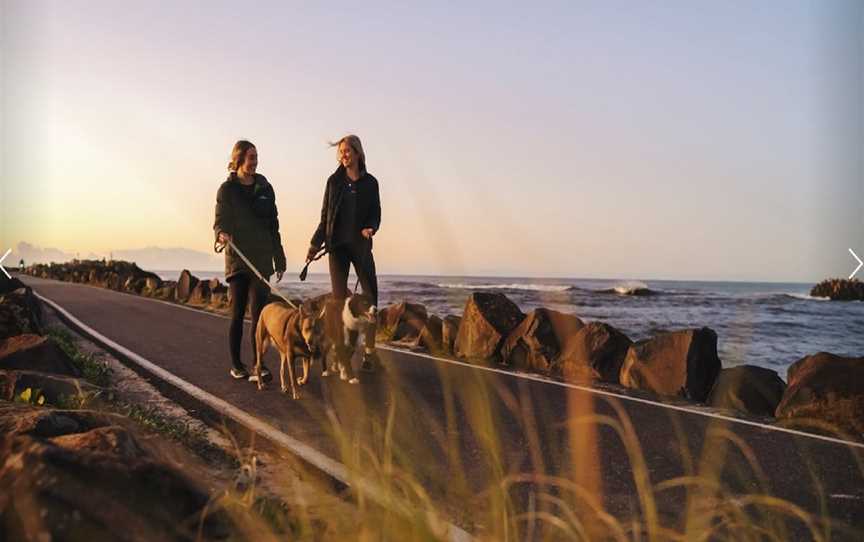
x=638, y=140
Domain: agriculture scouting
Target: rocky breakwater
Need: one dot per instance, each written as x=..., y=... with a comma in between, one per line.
x=825, y=392
x=71, y=473
x=128, y=277
x=839, y=289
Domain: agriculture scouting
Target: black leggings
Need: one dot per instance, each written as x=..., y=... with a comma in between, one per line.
x=360, y=254
x=244, y=289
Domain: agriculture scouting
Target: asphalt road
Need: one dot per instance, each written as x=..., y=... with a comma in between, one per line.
x=458, y=431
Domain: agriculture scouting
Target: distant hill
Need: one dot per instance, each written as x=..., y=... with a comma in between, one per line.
x=147, y=258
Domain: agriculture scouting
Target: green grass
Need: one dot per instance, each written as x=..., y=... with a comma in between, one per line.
x=95, y=371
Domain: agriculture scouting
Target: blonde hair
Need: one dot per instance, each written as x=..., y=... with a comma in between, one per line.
x=238, y=154
x=356, y=146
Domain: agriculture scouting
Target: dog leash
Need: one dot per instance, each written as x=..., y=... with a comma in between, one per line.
x=306, y=267
x=220, y=247
x=317, y=257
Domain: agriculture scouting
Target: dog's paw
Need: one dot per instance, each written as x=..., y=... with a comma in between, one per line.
x=295, y=396
x=301, y=381
x=285, y=389
x=325, y=372
x=354, y=380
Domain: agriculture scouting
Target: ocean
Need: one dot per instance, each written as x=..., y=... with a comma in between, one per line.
x=771, y=325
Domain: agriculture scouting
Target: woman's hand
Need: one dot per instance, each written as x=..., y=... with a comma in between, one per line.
x=367, y=232
x=224, y=238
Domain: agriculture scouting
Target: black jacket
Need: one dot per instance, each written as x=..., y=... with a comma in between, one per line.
x=368, y=211
x=253, y=223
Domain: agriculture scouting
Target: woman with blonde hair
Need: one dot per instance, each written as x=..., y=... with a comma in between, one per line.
x=350, y=217
x=246, y=216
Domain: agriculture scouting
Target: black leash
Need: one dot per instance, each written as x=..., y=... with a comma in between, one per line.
x=306, y=267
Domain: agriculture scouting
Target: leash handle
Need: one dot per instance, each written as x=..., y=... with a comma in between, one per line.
x=318, y=256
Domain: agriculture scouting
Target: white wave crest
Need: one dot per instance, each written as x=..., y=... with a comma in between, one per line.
x=806, y=297
x=514, y=286
x=630, y=287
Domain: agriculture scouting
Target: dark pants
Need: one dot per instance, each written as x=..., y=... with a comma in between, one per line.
x=244, y=289
x=358, y=254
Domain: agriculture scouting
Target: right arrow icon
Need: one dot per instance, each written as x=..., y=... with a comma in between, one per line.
x=860, y=263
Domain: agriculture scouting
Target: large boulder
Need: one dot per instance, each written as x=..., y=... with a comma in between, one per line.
x=77, y=475
x=535, y=343
x=402, y=322
x=31, y=352
x=430, y=336
x=840, y=289
x=747, y=389
x=488, y=319
x=825, y=389
x=185, y=284
x=449, y=329
x=595, y=352
x=200, y=293
x=20, y=312
x=679, y=363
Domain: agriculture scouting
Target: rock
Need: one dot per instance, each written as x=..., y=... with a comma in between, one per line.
x=747, y=389
x=595, y=352
x=185, y=284
x=112, y=440
x=53, y=387
x=449, y=329
x=20, y=312
x=34, y=353
x=682, y=363
x=114, y=281
x=200, y=293
x=94, y=483
x=8, y=285
x=487, y=321
x=430, y=336
x=825, y=389
x=536, y=342
x=840, y=289
x=167, y=291
x=402, y=322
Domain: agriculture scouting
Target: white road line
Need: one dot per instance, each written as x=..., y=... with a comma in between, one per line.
x=538, y=378
x=306, y=452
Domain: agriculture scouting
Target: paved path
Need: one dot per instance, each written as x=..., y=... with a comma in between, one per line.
x=462, y=428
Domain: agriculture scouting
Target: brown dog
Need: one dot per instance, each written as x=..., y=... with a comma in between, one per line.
x=294, y=333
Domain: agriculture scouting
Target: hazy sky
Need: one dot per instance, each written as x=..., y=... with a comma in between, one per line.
x=643, y=139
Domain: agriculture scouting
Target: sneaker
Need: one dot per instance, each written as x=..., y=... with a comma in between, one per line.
x=265, y=375
x=239, y=373
x=371, y=362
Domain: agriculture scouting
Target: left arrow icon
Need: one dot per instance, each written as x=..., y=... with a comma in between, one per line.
x=852, y=252
x=1, y=264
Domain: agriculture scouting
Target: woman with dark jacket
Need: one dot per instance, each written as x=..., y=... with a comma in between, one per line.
x=246, y=214
x=350, y=217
